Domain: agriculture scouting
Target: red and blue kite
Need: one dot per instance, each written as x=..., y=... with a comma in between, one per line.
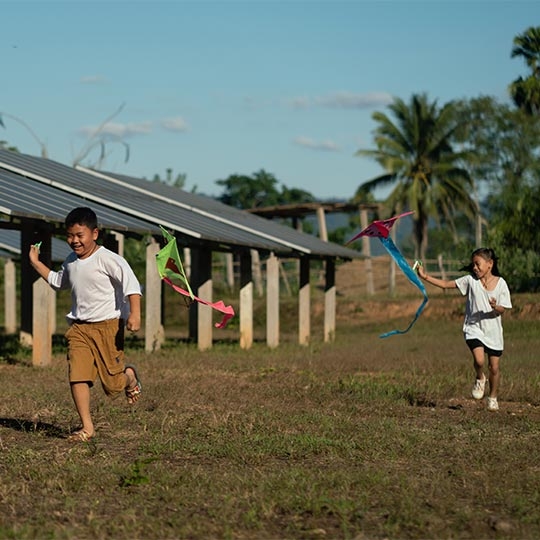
x=381, y=229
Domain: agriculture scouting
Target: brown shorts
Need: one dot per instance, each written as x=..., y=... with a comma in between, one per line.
x=97, y=350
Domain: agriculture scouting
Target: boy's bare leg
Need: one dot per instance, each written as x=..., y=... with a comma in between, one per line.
x=133, y=386
x=80, y=392
x=131, y=381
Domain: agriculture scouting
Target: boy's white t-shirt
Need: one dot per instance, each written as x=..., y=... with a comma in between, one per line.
x=100, y=285
x=481, y=321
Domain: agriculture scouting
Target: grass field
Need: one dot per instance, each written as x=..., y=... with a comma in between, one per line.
x=362, y=438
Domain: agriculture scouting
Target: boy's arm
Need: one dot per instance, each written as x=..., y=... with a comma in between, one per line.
x=42, y=269
x=133, y=324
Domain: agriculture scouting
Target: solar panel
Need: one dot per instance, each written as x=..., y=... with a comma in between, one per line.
x=189, y=225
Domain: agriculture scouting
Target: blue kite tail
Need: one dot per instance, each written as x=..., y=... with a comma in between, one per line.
x=412, y=277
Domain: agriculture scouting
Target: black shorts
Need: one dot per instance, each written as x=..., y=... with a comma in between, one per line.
x=475, y=343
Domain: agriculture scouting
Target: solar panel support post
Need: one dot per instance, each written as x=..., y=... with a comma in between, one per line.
x=272, y=301
x=10, y=297
x=154, y=334
x=42, y=324
x=28, y=277
x=200, y=316
x=330, y=300
x=304, y=303
x=246, y=299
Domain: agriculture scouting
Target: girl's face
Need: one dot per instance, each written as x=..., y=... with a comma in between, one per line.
x=82, y=239
x=481, y=266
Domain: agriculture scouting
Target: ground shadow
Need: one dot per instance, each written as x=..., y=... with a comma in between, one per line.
x=28, y=426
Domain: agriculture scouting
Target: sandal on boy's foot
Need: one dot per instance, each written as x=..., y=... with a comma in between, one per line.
x=134, y=393
x=80, y=436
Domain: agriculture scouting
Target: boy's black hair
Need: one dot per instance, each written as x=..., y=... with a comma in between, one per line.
x=81, y=216
x=489, y=255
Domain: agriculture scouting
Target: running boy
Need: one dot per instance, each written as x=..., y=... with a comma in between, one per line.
x=105, y=296
x=488, y=297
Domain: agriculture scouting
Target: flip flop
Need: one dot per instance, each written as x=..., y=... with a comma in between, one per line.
x=80, y=436
x=133, y=394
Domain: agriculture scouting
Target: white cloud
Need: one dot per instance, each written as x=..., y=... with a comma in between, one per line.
x=302, y=102
x=175, y=123
x=327, y=146
x=93, y=79
x=117, y=130
x=350, y=100
x=343, y=100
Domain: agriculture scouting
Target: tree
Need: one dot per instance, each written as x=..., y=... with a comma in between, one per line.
x=258, y=190
x=506, y=145
x=525, y=92
x=416, y=151
x=178, y=181
x=4, y=145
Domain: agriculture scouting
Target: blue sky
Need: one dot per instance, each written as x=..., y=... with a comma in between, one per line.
x=214, y=88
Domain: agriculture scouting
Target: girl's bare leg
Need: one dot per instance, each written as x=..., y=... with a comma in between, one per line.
x=478, y=359
x=494, y=376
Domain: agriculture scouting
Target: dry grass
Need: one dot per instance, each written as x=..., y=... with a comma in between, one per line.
x=362, y=438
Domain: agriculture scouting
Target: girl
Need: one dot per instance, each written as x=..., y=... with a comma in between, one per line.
x=488, y=297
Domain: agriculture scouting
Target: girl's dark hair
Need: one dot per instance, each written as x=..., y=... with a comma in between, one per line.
x=81, y=216
x=489, y=255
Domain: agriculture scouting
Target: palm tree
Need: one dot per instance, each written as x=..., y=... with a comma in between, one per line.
x=417, y=155
x=526, y=92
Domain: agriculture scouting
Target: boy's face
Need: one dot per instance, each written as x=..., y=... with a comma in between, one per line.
x=82, y=240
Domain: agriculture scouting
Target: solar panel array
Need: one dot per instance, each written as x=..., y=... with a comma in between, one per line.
x=23, y=197
x=40, y=188
x=222, y=212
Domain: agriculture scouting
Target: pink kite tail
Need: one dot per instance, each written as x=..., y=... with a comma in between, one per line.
x=228, y=311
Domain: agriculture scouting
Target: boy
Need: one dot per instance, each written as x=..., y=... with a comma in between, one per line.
x=100, y=281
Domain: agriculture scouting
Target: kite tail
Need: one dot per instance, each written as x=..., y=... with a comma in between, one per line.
x=412, y=277
x=228, y=311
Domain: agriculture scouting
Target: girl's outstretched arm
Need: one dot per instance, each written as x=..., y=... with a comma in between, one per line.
x=441, y=283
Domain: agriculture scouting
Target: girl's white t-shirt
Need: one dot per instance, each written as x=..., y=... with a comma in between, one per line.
x=100, y=285
x=481, y=321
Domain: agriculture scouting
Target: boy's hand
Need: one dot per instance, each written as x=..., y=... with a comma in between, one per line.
x=33, y=254
x=133, y=324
